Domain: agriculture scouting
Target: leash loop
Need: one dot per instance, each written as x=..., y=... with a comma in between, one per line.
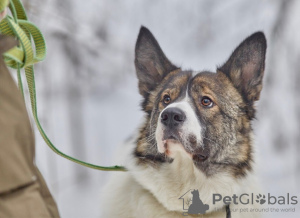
x=23, y=56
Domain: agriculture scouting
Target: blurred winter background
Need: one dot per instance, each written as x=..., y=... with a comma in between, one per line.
x=88, y=101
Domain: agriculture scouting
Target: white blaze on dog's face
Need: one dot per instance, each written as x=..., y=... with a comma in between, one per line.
x=177, y=124
x=205, y=115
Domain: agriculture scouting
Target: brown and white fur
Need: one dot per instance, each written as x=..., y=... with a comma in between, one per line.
x=197, y=134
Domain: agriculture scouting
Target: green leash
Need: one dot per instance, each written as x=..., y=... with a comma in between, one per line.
x=25, y=57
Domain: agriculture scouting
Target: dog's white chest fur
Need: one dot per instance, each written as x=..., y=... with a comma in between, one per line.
x=147, y=191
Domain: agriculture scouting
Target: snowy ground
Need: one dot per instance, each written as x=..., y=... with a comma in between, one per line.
x=87, y=93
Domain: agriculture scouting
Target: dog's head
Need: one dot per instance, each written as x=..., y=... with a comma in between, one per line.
x=203, y=115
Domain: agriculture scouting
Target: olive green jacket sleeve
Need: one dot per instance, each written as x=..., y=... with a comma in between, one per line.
x=23, y=191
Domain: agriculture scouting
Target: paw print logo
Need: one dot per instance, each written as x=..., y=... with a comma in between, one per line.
x=261, y=199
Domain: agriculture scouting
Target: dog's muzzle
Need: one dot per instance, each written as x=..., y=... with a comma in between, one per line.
x=178, y=130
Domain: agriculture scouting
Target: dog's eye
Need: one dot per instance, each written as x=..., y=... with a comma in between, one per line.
x=167, y=99
x=207, y=102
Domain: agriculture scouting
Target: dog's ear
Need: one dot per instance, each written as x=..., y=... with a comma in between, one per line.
x=150, y=62
x=245, y=67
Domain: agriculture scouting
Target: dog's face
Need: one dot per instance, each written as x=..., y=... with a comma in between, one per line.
x=203, y=115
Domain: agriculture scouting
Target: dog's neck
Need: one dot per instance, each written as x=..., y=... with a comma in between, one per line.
x=169, y=181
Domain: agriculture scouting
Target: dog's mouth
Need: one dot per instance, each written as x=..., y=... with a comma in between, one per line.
x=173, y=142
x=171, y=136
x=201, y=154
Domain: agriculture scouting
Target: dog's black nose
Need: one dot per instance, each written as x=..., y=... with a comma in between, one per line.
x=172, y=117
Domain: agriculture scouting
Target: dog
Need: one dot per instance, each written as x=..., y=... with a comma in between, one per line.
x=197, y=135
